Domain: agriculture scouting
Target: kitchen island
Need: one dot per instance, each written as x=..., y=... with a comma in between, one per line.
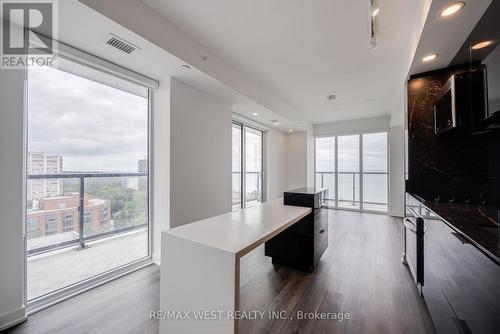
x=200, y=266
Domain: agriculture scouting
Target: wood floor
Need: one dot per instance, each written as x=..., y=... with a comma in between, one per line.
x=360, y=274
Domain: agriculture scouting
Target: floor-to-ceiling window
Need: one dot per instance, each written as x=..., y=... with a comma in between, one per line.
x=348, y=172
x=87, y=176
x=247, y=166
x=237, y=165
x=326, y=167
x=354, y=169
x=375, y=172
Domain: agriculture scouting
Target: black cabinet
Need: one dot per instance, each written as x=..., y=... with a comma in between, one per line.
x=301, y=245
x=462, y=285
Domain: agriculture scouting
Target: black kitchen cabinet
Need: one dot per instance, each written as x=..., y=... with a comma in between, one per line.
x=462, y=284
x=301, y=245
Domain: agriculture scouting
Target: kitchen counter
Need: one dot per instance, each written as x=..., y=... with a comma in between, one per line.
x=478, y=222
x=200, y=264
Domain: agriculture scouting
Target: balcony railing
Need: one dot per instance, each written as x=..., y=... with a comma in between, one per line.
x=80, y=242
x=256, y=186
x=322, y=181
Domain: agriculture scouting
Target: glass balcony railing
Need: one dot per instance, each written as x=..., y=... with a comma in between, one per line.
x=375, y=192
x=74, y=208
x=253, y=183
x=81, y=225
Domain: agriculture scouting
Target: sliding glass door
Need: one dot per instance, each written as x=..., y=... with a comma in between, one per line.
x=326, y=167
x=87, y=177
x=375, y=172
x=348, y=172
x=247, y=170
x=237, y=154
x=354, y=169
x=253, y=166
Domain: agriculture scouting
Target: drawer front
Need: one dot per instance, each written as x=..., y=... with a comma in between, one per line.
x=320, y=234
x=462, y=289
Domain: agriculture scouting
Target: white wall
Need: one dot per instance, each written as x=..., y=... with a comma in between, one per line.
x=397, y=147
x=200, y=155
x=310, y=157
x=359, y=125
x=396, y=169
x=11, y=203
x=296, y=160
x=160, y=160
x=275, y=177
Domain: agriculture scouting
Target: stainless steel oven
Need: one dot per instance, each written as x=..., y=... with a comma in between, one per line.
x=414, y=237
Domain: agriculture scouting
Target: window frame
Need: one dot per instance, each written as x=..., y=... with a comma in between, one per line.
x=91, y=61
x=243, y=126
x=361, y=169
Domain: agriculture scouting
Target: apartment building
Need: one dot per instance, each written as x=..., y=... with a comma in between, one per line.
x=57, y=215
x=42, y=163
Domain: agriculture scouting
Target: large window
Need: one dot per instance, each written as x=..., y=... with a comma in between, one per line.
x=87, y=176
x=326, y=167
x=354, y=170
x=348, y=172
x=375, y=172
x=247, y=171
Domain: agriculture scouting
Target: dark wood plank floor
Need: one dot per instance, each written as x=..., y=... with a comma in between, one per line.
x=121, y=306
x=360, y=273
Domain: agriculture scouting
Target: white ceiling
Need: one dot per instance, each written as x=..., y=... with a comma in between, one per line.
x=304, y=50
x=150, y=60
x=445, y=36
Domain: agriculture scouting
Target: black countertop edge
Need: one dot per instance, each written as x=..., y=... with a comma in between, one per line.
x=307, y=190
x=474, y=243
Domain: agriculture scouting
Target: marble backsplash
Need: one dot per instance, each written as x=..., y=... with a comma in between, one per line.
x=461, y=168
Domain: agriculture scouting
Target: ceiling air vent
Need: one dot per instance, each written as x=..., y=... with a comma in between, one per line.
x=121, y=44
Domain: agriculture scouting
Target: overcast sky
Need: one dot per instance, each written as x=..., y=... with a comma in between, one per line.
x=93, y=126
x=374, y=153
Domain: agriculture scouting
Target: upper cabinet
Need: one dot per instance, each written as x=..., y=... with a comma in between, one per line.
x=482, y=48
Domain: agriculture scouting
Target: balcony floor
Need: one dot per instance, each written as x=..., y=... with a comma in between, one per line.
x=54, y=270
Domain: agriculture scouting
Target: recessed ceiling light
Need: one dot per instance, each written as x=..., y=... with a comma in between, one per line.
x=255, y=113
x=186, y=66
x=290, y=130
x=375, y=12
x=430, y=58
x=481, y=45
x=275, y=122
x=452, y=9
x=331, y=97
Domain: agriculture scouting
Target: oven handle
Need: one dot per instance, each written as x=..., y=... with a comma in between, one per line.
x=410, y=226
x=413, y=212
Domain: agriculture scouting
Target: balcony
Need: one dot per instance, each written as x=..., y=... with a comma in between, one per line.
x=375, y=190
x=81, y=225
x=253, y=186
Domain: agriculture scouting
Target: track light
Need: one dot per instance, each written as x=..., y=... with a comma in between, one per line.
x=372, y=11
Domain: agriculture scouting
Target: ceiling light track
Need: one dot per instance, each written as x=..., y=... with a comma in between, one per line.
x=373, y=11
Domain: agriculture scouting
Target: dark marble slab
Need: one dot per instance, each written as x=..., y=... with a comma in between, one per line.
x=478, y=222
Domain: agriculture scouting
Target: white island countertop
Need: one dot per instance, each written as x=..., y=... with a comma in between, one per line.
x=200, y=264
x=239, y=232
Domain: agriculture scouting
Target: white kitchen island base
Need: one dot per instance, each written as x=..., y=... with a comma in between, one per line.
x=200, y=274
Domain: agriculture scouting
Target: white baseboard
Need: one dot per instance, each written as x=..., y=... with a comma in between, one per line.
x=12, y=318
x=156, y=259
